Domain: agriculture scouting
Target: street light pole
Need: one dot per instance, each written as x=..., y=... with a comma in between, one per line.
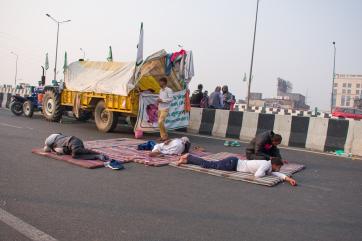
x=334, y=75
x=56, y=48
x=252, y=55
x=16, y=66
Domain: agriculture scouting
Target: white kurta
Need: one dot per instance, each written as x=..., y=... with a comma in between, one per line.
x=259, y=168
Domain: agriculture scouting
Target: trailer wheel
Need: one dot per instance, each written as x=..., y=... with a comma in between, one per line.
x=106, y=120
x=28, y=108
x=133, y=121
x=52, y=110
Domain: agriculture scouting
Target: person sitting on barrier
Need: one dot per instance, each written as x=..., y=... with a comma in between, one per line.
x=264, y=146
x=71, y=145
x=175, y=146
x=259, y=168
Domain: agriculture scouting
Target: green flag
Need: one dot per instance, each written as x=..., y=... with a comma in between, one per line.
x=139, y=59
x=65, y=61
x=46, y=65
x=110, y=55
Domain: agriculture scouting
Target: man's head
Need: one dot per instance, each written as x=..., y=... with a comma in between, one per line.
x=225, y=89
x=186, y=141
x=163, y=82
x=276, y=139
x=217, y=89
x=276, y=163
x=199, y=87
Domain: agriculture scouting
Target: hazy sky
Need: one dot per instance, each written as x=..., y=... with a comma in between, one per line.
x=294, y=39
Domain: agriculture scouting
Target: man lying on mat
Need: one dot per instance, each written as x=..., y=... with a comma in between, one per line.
x=264, y=146
x=175, y=146
x=70, y=145
x=259, y=168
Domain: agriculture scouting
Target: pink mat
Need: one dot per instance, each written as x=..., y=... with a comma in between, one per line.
x=91, y=164
x=125, y=150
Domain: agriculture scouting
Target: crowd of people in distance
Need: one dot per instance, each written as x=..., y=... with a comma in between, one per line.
x=221, y=98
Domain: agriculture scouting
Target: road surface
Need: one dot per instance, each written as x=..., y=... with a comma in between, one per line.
x=67, y=202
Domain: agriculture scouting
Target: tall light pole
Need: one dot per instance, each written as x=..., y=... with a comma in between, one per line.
x=16, y=66
x=56, y=49
x=83, y=51
x=252, y=55
x=334, y=75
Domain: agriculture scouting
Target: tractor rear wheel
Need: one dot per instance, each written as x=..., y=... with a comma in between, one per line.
x=16, y=107
x=52, y=110
x=106, y=120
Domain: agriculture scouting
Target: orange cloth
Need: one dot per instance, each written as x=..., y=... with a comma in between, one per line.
x=187, y=101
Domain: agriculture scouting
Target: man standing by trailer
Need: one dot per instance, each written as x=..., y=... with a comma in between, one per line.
x=164, y=101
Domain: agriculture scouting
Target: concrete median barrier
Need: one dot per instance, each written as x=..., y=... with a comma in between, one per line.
x=314, y=133
x=221, y=117
x=7, y=92
x=317, y=133
x=282, y=125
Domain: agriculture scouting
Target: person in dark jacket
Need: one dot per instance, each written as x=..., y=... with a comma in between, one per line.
x=227, y=97
x=70, y=145
x=197, y=96
x=264, y=146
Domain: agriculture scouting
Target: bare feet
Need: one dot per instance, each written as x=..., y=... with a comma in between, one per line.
x=182, y=160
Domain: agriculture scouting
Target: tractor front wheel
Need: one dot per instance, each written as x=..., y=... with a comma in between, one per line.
x=28, y=108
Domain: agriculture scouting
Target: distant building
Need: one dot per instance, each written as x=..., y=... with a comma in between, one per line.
x=256, y=96
x=346, y=89
x=357, y=103
x=286, y=98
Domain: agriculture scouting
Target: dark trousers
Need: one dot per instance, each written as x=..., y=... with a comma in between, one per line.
x=227, y=164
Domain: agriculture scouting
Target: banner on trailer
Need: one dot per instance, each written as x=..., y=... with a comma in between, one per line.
x=147, y=120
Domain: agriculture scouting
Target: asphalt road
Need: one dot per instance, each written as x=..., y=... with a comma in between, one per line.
x=165, y=203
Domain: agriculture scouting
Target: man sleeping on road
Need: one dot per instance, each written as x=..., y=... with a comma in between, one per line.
x=70, y=145
x=259, y=168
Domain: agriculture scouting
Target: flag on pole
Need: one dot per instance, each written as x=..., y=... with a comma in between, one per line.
x=110, y=55
x=46, y=65
x=65, y=61
x=139, y=59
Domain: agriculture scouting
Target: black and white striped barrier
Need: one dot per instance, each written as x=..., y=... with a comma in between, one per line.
x=6, y=93
x=314, y=133
x=280, y=111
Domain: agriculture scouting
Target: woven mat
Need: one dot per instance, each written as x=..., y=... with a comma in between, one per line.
x=125, y=150
x=67, y=158
x=287, y=169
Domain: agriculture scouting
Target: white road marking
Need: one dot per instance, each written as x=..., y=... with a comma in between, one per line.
x=24, y=228
x=7, y=125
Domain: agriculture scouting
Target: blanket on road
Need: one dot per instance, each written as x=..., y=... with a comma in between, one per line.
x=287, y=169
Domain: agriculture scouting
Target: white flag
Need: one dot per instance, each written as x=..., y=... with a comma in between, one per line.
x=140, y=48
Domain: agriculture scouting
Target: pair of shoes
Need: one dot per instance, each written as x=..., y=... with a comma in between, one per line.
x=232, y=143
x=114, y=165
x=227, y=143
x=235, y=144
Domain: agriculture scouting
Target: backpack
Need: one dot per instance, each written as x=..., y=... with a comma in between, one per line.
x=204, y=102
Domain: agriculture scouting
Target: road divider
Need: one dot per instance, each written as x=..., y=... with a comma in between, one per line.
x=313, y=133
